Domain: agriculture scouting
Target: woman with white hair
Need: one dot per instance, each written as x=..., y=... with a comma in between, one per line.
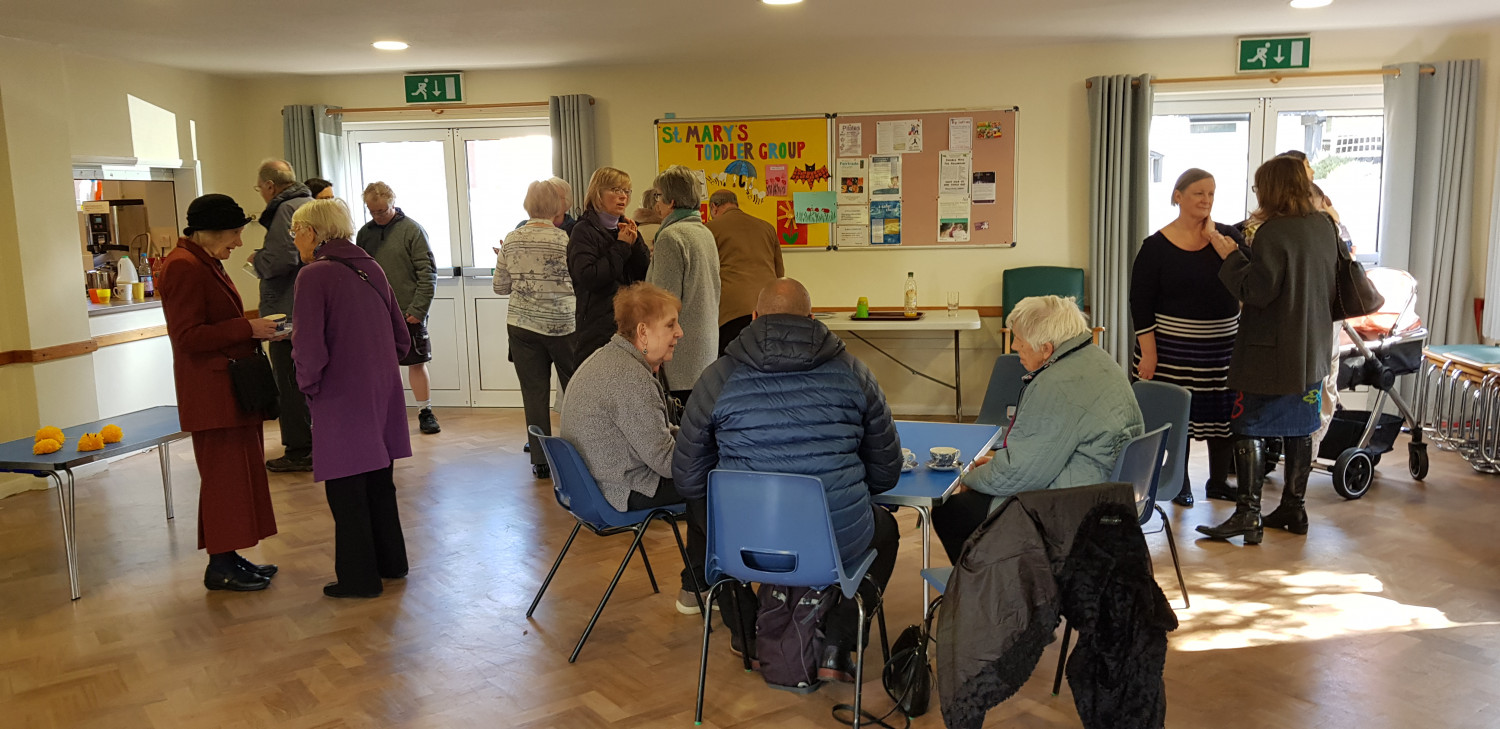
x=1075, y=416
x=349, y=335
x=685, y=262
x=532, y=269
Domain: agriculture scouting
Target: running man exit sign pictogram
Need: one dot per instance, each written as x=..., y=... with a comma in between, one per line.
x=434, y=88
x=1275, y=54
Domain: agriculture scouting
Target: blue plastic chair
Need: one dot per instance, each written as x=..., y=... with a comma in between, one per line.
x=1140, y=466
x=579, y=494
x=1167, y=404
x=775, y=528
x=1004, y=391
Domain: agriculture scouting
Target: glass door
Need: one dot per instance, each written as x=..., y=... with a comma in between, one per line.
x=1222, y=137
x=417, y=164
x=1344, y=139
x=499, y=163
x=465, y=187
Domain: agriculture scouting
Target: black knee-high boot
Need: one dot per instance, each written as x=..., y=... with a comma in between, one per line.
x=1185, y=496
x=1220, y=468
x=1291, y=513
x=1248, y=461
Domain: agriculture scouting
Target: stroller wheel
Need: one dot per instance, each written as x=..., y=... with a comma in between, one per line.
x=1352, y=473
x=1417, y=460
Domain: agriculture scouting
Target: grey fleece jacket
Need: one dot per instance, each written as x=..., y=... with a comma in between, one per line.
x=402, y=251
x=685, y=262
x=615, y=413
x=278, y=261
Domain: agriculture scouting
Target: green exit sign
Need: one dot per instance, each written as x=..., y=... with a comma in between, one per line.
x=1275, y=54
x=434, y=88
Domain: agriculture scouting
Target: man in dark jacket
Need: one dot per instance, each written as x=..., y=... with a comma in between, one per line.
x=276, y=265
x=786, y=397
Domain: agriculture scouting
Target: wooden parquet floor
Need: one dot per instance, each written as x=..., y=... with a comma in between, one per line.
x=1386, y=615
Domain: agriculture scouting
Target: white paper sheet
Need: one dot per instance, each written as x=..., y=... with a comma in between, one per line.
x=885, y=177
x=854, y=215
x=898, y=137
x=853, y=235
x=851, y=139
x=953, y=219
x=960, y=133
x=953, y=173
x=851, y=179
x=982, y=191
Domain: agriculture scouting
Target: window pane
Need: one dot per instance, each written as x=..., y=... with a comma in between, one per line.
x=1219, y=143
x=416, y=171
x=1344, y=148
x=500, y=170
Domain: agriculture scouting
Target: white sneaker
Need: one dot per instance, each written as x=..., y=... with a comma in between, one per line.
x=687, y=604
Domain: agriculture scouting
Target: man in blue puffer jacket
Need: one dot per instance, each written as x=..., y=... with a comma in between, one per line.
x=786, y=397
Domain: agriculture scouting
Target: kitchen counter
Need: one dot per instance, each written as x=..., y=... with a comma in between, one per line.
x=116, y=306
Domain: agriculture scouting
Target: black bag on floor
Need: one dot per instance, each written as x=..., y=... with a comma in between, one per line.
x=789, y=636
x=908, y=674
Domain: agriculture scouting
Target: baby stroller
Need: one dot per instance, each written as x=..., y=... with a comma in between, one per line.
x=1373, y=351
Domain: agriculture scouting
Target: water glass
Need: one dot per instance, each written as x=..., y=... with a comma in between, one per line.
x=952, y=303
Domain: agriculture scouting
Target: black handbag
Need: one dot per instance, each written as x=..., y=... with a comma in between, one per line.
x=1353, y=293
x=255, y=385
x=908, y=674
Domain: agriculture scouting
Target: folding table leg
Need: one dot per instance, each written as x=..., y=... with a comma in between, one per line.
x=70, y=538
x=164, y=454
x=926, y=518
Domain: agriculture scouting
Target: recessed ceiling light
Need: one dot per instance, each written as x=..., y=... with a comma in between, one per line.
x=389, y=45
x=1305, y=4
x=781, y=2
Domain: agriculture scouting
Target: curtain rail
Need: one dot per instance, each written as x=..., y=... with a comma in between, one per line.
x=438, y=108
x=1276, y=78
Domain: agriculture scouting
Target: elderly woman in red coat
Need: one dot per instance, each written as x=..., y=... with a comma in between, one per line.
x=207, y=327
x=348, y=338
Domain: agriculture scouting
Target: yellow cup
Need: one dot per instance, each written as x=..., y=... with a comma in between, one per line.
x=138, y=291
x=103, y=295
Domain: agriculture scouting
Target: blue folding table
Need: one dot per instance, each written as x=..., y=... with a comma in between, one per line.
x=143, y=429
x=923, y=488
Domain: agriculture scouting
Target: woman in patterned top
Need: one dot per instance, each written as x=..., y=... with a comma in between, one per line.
x=1186, y=320
x=533, y=270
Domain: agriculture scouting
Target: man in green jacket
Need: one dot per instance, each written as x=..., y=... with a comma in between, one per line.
x=400, y=246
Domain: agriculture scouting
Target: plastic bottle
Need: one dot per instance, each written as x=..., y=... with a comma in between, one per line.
x=911, y=294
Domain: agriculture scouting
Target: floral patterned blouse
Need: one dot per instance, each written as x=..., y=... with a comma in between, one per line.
x=533, y=271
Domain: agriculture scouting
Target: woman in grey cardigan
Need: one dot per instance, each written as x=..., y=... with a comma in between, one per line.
x=685, y=262
x=615, y=413
x=1286, y=283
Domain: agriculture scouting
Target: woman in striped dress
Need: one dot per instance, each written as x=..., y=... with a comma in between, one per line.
x=1185, y=322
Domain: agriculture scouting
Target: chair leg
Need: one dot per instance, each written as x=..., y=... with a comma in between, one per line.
x=703, y=657
x=859, y=657
x=688, y=564
x=742, y=614
x=610, y=591
x=647, y=560
x=885, y=643
x=1172, y=544
x=555, y=564
x=1062, y=659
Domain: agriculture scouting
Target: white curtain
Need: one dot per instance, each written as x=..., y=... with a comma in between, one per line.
x=314, y=143
x=572, y=121
x=1426, y=210
x=1119, y=169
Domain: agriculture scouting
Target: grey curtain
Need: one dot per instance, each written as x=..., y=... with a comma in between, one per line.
x=314, y=143
x=1427, y=192
x=572, y=121
x=1492, y=270
x=1119, y=169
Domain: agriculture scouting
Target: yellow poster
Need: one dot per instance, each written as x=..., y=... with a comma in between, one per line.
x=764, y=162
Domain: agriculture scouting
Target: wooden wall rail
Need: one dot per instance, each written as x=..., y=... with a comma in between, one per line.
x=75, y=349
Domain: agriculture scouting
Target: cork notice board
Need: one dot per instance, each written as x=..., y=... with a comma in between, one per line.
x=992, y=136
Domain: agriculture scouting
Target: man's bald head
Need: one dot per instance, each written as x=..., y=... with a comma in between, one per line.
x=784, y=296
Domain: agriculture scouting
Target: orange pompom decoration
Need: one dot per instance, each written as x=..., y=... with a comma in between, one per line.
x=45, y=446
x=50, y=433
x=112, y=433
x=90, y=442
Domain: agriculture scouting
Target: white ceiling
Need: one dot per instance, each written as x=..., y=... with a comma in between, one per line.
x=333, y=36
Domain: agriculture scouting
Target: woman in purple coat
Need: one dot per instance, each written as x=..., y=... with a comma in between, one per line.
x=348, y=337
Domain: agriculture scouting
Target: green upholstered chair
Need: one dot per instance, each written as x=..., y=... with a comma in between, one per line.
x=1019, y=283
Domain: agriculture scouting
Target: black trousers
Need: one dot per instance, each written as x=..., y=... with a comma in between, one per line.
x=367, y=539
x=296, y=421
x=697, y=520
x=535, y=355
x=957, y=518
x=842, y=624
x=731, y=329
